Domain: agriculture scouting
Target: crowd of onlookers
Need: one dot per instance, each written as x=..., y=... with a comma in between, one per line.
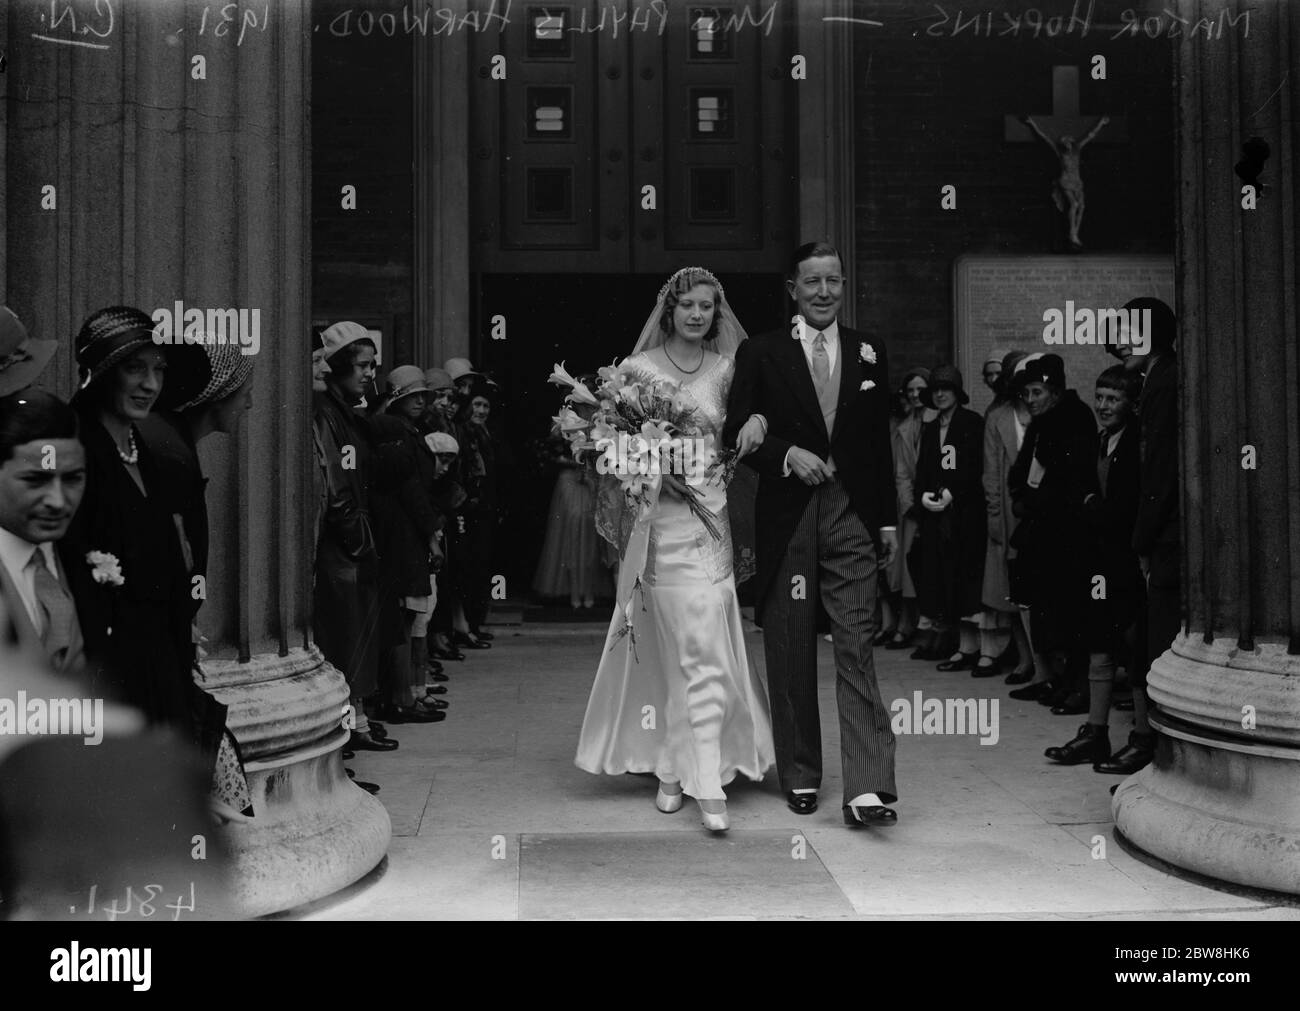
x=1040, y=541
x=410, y=478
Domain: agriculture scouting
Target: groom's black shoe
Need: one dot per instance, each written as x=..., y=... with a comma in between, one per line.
x=801, y=803
x=861, y=817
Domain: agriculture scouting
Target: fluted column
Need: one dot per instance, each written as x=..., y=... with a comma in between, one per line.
x=1223, y=795
x=173, y=184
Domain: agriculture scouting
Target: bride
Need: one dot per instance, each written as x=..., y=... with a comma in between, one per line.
x=676, y=696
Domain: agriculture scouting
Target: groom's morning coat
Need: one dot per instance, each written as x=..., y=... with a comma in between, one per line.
x=772, y=379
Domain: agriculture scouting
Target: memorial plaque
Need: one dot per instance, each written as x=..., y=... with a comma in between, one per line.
x=999, y=302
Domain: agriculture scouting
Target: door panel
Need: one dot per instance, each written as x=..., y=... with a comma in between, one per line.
x=588, y=117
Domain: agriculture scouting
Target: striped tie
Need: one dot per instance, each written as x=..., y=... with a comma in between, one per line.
x=821, y=363
x=56, y=609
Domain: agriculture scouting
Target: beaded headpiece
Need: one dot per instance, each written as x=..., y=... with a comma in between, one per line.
x=705, y=277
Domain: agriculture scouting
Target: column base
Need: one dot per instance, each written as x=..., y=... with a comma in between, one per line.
x=313, y=831
x=1218, y=806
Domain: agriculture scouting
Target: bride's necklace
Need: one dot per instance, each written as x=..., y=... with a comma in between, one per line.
x=685, y=372
x=133, y=454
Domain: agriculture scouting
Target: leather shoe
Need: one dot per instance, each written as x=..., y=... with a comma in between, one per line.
x=364, y=742
x=1090, y=744
x=485, y=636
x=1074, y=704
x=410, y=714
x=427, y=704
x=990, y=670
x=899, y=642
x=451, y=653
x=377, y=730
x=962, y=661
x=1060, y=692
x=468, y=641
x=882, y=637
x=1135, y=755
x=1020, y=677
x=801, y=803
x=875, y=814
x=435, y=689
x=1033, y=693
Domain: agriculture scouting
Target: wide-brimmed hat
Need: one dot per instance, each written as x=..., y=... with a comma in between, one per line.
x=402, y=382
x=22, y=359
x=1040, y=367
x=1009, y=362
x=438, y=379
x=944, y=377
x=109, y=336
x=1164, y=324
x=217, y=372
x=458, y=368
x=441, y=442
x=341, y=335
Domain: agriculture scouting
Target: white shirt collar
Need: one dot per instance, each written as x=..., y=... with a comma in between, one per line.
x=832, y=333
x=16, y=552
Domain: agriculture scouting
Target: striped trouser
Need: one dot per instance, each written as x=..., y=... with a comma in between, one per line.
x=834, y=554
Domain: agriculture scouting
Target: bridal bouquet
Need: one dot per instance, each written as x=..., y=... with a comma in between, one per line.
x=637, y=431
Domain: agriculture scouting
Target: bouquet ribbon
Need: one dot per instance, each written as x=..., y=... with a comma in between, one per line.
x=638, y=551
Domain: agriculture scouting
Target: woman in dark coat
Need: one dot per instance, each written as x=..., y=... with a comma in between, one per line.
x=1054, y=473
x=205, y=394
x=950, y=508
x=139, y=629
x=484, y=464
x=345, y=609
x=406, y=525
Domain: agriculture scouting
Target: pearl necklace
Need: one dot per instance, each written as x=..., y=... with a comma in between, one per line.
x=133, y=455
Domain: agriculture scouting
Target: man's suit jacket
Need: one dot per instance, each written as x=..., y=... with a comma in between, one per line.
x=773, y=379
x=23, y=632
x=1156, y=532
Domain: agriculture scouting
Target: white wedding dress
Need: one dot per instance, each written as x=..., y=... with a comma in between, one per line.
x=682, y=700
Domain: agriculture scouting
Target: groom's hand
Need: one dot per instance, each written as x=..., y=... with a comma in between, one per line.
x=807, y=467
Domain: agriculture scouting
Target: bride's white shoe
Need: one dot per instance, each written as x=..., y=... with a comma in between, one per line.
x=715, y=822
x=668, y=803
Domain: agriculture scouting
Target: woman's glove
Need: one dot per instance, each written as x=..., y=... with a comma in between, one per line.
x=937, y=503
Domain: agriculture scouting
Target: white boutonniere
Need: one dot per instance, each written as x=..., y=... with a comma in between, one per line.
x=867, y=384
x=105, y=568
x=866, y=355
x=796, y=328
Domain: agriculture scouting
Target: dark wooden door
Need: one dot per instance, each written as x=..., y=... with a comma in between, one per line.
x=592, y=125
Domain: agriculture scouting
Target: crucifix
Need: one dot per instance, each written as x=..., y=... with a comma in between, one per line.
x=1066, y=133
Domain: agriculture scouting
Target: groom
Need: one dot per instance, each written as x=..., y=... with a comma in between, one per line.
x=818, y=395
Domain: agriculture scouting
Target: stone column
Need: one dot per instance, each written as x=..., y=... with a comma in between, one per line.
x=440, y=69
x=826, y=136
x=1222, y=797
x=175, y=184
